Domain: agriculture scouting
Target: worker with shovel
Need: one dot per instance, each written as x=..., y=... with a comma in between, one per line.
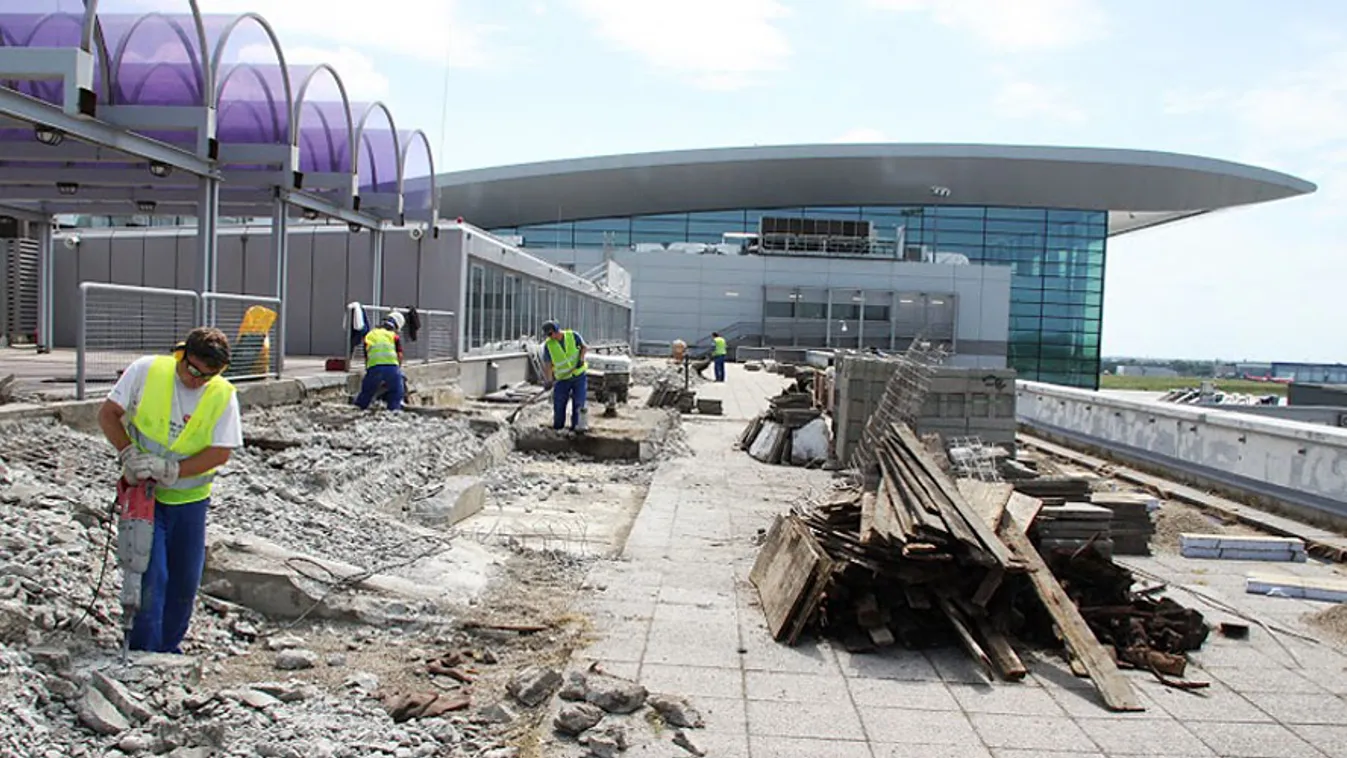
x=564, y=371
x=183, y=426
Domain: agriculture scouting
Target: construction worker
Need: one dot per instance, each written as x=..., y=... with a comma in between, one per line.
x=184, y=425
x=564, y=370
x=718, y=354
x=383, y=363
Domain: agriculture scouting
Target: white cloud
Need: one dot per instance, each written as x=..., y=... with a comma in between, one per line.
x=719, y=44
x=1303, y=110
x=433, y=31
x=862, y=134
x=1013, y=25
x=1019, y=98
x=1187, y=102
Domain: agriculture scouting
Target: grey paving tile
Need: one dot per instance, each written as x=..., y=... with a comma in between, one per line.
x=956, y=667
x=1263, y=680
x=898, y=693
x=1006, y=699
x=690, y=614
x=931, y=751
x=1332, y=740
x=806, y=658
x=716, y=744
x=1219, y=652
x=693, y=681
x=1050, y=671
x=1215, y=703
x=902, y=727
x=783, y=687
x=609, y=608
x=725, y=715
x=1087, y=704
x=1293, y=708
x=1030, y=732
x=1243, y=740
x=1012, y=753
x=628, y=648
x=625, y=669
x=819, y=719
x=888, y=664
x=1330, y=676
x=803, y=747
x=698, y=598
x=1126, y=737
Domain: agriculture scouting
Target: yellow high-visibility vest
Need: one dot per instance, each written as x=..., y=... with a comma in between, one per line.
x=566, y=363
x=150, y=429
x=721, y=347
x=381, y=348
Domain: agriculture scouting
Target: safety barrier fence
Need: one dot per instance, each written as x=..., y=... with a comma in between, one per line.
x=252, y=324
x=119, y=323
x=436, y=339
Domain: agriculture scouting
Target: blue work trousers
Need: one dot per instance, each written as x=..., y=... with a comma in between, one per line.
x=574, y=390
x=168, y=589
x=388, y=376
x=720, y=367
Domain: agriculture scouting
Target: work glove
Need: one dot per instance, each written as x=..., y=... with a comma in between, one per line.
x=163, y=471
x=135, y=464
x=548, y=384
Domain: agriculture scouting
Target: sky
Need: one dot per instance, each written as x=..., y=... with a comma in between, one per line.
x=497, y=82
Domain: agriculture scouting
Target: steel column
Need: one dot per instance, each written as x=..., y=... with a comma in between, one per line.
x=377, y=246
x=207, y=241
x=46, y=281
x=280, y=240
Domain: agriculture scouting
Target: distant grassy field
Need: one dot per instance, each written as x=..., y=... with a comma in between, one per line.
x=1165, y=383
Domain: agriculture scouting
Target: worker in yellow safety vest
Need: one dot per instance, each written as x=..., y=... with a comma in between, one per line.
x=718, y=354
x=564, y=370
x=383, y=364
x=184, y=425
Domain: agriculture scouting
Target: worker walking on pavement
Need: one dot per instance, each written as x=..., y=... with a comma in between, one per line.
x=383, y=364
x=183, y=426
x=564, y=370
x=718, y=354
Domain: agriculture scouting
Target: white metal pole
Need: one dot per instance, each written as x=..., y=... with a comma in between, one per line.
x=280, y=239
x=46, y=281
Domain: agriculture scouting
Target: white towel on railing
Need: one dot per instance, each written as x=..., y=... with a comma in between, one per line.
x=357, y=317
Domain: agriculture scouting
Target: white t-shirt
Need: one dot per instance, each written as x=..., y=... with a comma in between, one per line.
x=228, y=433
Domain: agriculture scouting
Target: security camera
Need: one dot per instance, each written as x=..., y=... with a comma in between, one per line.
x=416, y=233
x=71, y=242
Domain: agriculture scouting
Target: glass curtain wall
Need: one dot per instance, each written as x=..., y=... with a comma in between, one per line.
x=1056, y=257
x=506, y=309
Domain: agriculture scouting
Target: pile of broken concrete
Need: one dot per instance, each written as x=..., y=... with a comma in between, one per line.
x=603, y=713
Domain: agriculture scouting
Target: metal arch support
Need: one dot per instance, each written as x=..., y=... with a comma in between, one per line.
x=297, y=114
x=377, y=247
x=280, y=240
x=24, y=108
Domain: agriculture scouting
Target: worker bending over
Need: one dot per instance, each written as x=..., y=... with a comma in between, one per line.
x=383, y=364
x=184, y=424
x=718, y=354
x=564, y=370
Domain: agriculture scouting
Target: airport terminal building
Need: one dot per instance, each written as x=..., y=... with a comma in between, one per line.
x=999, y=249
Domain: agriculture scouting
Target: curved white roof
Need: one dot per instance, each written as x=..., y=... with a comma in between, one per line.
x=1139, y=188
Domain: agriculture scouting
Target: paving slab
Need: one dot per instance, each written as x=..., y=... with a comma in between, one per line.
x=677, y=611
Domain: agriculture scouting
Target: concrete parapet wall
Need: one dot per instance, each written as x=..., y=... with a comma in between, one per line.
x=1297, y=468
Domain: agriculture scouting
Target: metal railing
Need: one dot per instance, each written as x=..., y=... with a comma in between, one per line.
x=436, y=339
x=252, y=323
x=120, y=323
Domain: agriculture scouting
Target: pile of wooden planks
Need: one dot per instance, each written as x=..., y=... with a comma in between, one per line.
x=919, y=559
x=1055, y=490
x=791, y=432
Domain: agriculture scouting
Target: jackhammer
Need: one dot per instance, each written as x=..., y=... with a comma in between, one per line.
x=135, y=539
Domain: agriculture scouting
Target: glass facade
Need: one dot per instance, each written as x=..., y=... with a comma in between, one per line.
x=505, y=311
x=1056, y=258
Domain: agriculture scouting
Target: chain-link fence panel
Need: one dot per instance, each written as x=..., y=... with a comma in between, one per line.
x=120, y=323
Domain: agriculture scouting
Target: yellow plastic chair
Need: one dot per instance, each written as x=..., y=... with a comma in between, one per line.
x=251, y=351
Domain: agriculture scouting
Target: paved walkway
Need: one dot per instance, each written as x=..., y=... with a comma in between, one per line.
x=678, y=613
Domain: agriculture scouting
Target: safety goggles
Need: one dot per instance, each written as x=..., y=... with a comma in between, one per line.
x=198, y=373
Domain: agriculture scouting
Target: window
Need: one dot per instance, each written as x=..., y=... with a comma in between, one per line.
x=476, y=306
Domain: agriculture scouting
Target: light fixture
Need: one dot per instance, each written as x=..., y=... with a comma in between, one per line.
x=160, y=169
x=905, y=301
x=48, y=135
x=939, y=191
x=937, y=302
x=67, y=188
x=146, y=206
x=310, y=214
x=354, y=227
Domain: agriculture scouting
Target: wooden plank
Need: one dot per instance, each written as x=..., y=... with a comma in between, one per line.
x=867, y=516
x=784, y=573
x=820, y=583
x=890, y=516
x=985, y=532
x=924, y=512
x=960, y=624
x=1003, y=656
x=988, y=499
x=1115, y=690
x=990, y=584
x=1023, y=509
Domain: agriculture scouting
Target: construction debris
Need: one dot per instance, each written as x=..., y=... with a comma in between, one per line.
x=1073, y=526
x=1132, y=526
x=1304, y=588
x=791, y=432
x=1056, y=490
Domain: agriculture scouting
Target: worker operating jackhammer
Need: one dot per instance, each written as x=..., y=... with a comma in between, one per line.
x=564, y=371
x=174, y=420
